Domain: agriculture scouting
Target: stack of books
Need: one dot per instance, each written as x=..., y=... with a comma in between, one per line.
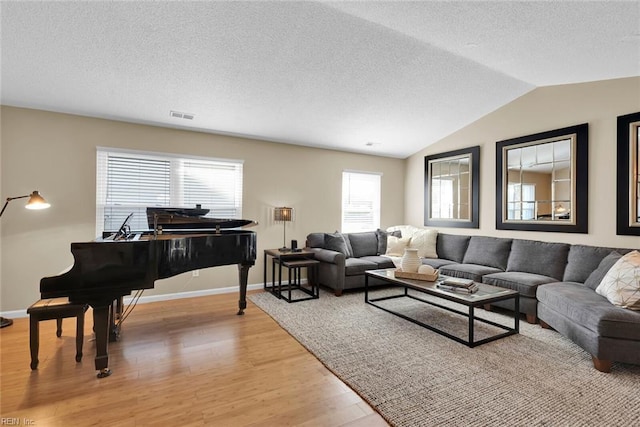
x=455, y=284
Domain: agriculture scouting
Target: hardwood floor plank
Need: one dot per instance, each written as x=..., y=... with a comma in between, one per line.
x=187, y=362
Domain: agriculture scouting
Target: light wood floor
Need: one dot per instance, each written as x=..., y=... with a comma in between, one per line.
x=185, y=362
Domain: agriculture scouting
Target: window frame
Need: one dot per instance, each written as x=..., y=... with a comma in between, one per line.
x=347, y=226
x=178, y=190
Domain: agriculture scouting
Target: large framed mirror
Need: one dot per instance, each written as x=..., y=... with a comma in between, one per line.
x=452, y=182
x=542, y=181
x=628, y=175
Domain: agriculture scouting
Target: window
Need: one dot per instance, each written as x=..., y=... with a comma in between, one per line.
x=521, y=203
x=131, y=181
x=442, y=198
x=360, y=201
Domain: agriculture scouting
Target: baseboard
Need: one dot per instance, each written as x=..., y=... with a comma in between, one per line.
x=17, y=314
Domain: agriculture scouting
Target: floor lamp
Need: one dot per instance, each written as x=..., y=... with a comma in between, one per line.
x=35, y=202
x=283, y=215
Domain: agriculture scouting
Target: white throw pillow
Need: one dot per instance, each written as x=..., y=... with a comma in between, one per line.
x=397, y=245
x=621, y=284
x=425, y=242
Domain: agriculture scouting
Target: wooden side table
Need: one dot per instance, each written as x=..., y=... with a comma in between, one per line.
x=293, y=261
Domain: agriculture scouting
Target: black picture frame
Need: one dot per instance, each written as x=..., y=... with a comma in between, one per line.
x=623, y=176
x=580, y=225
x=474, y=221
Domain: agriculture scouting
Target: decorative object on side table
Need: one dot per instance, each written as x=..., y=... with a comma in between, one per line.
x=284, y=215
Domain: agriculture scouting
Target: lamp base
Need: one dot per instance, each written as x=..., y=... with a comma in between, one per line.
x=284, y=249
x=4, y=322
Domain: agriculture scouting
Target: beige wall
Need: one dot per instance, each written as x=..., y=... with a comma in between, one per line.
x=56, y=154
x=543, y=109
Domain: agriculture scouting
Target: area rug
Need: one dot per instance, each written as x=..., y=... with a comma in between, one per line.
x=415, y=377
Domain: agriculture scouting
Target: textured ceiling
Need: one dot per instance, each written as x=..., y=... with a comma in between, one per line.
x=339, y=75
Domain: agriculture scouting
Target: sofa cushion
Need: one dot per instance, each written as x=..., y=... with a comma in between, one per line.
x=604, y=266
x=396, y=245
x=337, y=242
x=582, y=261
x=452, y=246
x=525, y=283
x=381, y=261
x=363, y=244
x=621, y=284
x=585, y=307
x=468, y=271
x=489, y=251
x=437, y=262
x=425, y=242
x=542, y=258
x=356, y=266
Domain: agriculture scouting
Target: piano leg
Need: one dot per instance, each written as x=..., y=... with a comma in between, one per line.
x=101, y=329
x=244, y=275
x=115, y=318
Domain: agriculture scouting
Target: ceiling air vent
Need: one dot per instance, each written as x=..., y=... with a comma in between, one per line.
x=179, y=115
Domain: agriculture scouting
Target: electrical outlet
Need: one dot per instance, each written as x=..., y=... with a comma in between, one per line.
x=195, y=273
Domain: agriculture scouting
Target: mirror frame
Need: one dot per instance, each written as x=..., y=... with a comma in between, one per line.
x=626, y=171
x=474, y=221
x=580, y=165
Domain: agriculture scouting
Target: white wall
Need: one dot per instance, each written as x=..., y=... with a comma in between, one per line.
x=543, y=109
x=56, y=154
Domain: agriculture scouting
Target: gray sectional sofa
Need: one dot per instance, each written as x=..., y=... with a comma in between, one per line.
x=556, y=282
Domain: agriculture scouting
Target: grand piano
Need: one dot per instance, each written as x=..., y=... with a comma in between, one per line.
x=114, y=265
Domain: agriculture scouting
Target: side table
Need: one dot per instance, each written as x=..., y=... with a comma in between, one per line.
x=294, y=262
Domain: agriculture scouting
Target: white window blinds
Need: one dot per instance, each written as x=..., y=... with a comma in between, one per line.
x=130, y=181
x=360, y=201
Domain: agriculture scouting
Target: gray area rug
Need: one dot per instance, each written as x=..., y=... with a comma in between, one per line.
x=415, y=377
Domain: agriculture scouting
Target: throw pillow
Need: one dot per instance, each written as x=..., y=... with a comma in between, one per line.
x=382, y=241
x=621, y=284
x=596, y=276
x=336, y=242
x=396, y=245
x=425, y=242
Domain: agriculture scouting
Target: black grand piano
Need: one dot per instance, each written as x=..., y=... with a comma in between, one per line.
x=116, y=264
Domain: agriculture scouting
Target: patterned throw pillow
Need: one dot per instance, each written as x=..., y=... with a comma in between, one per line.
x=396, y=245
x=621, y=284
x=425, y=242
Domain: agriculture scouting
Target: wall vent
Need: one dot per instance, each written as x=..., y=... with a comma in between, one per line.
x=179, y=115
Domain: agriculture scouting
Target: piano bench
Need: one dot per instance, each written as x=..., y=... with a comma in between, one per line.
x=295, y=266
x=54, y=308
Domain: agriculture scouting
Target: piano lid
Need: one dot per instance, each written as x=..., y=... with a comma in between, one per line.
x=187, y=218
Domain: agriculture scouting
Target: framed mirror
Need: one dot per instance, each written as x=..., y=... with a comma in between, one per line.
x=452, y=182
x=628, y=175
x=542, y=181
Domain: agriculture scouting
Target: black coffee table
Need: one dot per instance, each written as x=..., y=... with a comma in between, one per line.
x=486, y=294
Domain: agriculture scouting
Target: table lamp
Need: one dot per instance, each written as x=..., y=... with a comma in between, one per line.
x=284, y=215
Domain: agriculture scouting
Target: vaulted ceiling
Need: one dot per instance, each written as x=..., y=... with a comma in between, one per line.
x=385, y=78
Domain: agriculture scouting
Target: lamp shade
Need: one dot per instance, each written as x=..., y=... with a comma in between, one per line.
x=283, y=214
x=36, y=201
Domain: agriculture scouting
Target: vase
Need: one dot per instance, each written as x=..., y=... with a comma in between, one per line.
x=410, y=261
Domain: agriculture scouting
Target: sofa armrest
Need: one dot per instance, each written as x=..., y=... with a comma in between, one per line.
x=326, y=255
x=332, y=268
